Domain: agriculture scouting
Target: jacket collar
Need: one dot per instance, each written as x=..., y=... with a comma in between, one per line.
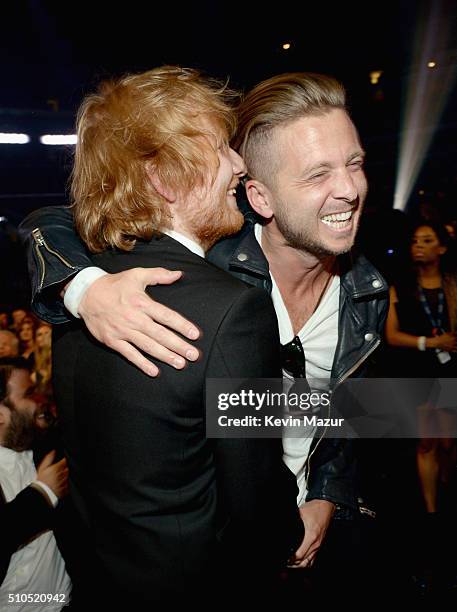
x=248, y=256
x=359, y=278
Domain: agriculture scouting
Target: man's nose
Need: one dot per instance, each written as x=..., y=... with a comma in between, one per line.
x=345, y=187
x=239, y=167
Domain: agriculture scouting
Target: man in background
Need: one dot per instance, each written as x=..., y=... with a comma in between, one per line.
x=30, y=562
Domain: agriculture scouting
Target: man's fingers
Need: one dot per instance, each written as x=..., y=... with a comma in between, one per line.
x=156, y=334
x=158, y=276
x=47, y=460
x=305, y=547
x=119, y=313
x=301, y=565
x=306, y=562
x=300, y=561
x=135, y=357
x=165, y=316
x=156, y=349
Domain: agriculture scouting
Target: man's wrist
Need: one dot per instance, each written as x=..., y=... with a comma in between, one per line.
x=326, y=503
x=46, y=491
x=75, y=290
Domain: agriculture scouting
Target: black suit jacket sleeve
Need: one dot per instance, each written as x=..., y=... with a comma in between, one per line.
x=257, y=489
x=23, y=517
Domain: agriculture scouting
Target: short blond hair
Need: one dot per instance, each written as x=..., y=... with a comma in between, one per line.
x=159, y=117
x=278, y=101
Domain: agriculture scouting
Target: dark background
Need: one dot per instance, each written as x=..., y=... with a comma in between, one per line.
x=53, y=53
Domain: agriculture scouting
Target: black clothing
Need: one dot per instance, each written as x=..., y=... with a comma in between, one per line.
x=166, y=508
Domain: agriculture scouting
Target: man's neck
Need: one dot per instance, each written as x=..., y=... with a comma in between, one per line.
x=295, y=271
x=186, y=238
x=302, y=278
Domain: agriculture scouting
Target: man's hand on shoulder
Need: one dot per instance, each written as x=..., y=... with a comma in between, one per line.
x=118, y=312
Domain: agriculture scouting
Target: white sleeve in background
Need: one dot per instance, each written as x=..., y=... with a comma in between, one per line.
x=78, y=286
x=49, y=492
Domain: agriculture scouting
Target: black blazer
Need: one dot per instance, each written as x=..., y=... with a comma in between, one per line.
x=22, y=519
x=154, y=493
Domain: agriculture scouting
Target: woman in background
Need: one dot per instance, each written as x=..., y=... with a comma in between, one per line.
x=43, y=358
x=27, y=339
x=422, y=322
x=423, y=319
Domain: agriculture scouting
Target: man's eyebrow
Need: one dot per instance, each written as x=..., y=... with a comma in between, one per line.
x=315, y=168
x=327, y=165
x=360, y=153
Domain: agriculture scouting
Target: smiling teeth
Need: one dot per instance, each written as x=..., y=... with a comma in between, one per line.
x=338, y=217
x=232, y=191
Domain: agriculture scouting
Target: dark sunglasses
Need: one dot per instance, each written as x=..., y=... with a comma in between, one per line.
x=293, y=358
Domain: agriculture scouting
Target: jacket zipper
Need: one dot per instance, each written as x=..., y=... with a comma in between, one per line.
x=339, y=381
x=41, y=242
x=357, y=364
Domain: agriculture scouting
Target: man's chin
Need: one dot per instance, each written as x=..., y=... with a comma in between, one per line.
x=338, y=245
x=234, y=225
x=224, y=227
x=340, y=249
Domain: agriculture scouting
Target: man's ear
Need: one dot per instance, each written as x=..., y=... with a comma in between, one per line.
x=442, y=250
x=259, y=197
x=164, y=190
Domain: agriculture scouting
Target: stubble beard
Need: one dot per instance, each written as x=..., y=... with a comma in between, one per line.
x=302, y=239
x=216, y=221
x=21, y=433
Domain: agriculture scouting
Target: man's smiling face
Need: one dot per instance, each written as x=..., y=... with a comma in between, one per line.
x=319, y=190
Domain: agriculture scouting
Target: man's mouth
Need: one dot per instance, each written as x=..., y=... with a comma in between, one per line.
x=232, y=191
x=338, y=221
x=43, y=418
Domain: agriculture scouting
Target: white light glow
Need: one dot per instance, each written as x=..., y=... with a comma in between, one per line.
x=58, y=139
x=425, y=99
x=286, y=46
x=6, y=138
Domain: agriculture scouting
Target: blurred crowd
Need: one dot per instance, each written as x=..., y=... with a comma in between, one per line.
x=22, y=334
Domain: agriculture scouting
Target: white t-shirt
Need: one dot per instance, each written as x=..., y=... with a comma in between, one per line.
x=319, y=337
x=37, y=567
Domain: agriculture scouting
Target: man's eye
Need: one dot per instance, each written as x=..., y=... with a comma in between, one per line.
x=30, y=391
x=357, y=164
x=8, y=403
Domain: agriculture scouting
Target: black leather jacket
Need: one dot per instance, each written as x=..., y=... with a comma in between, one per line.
x=55, y=254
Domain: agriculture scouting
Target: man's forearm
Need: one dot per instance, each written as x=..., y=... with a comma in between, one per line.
x=28, y=514
x=55, y=254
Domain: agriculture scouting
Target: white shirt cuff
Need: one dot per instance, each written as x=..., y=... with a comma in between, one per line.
x=78, y=286
x=49, y=492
